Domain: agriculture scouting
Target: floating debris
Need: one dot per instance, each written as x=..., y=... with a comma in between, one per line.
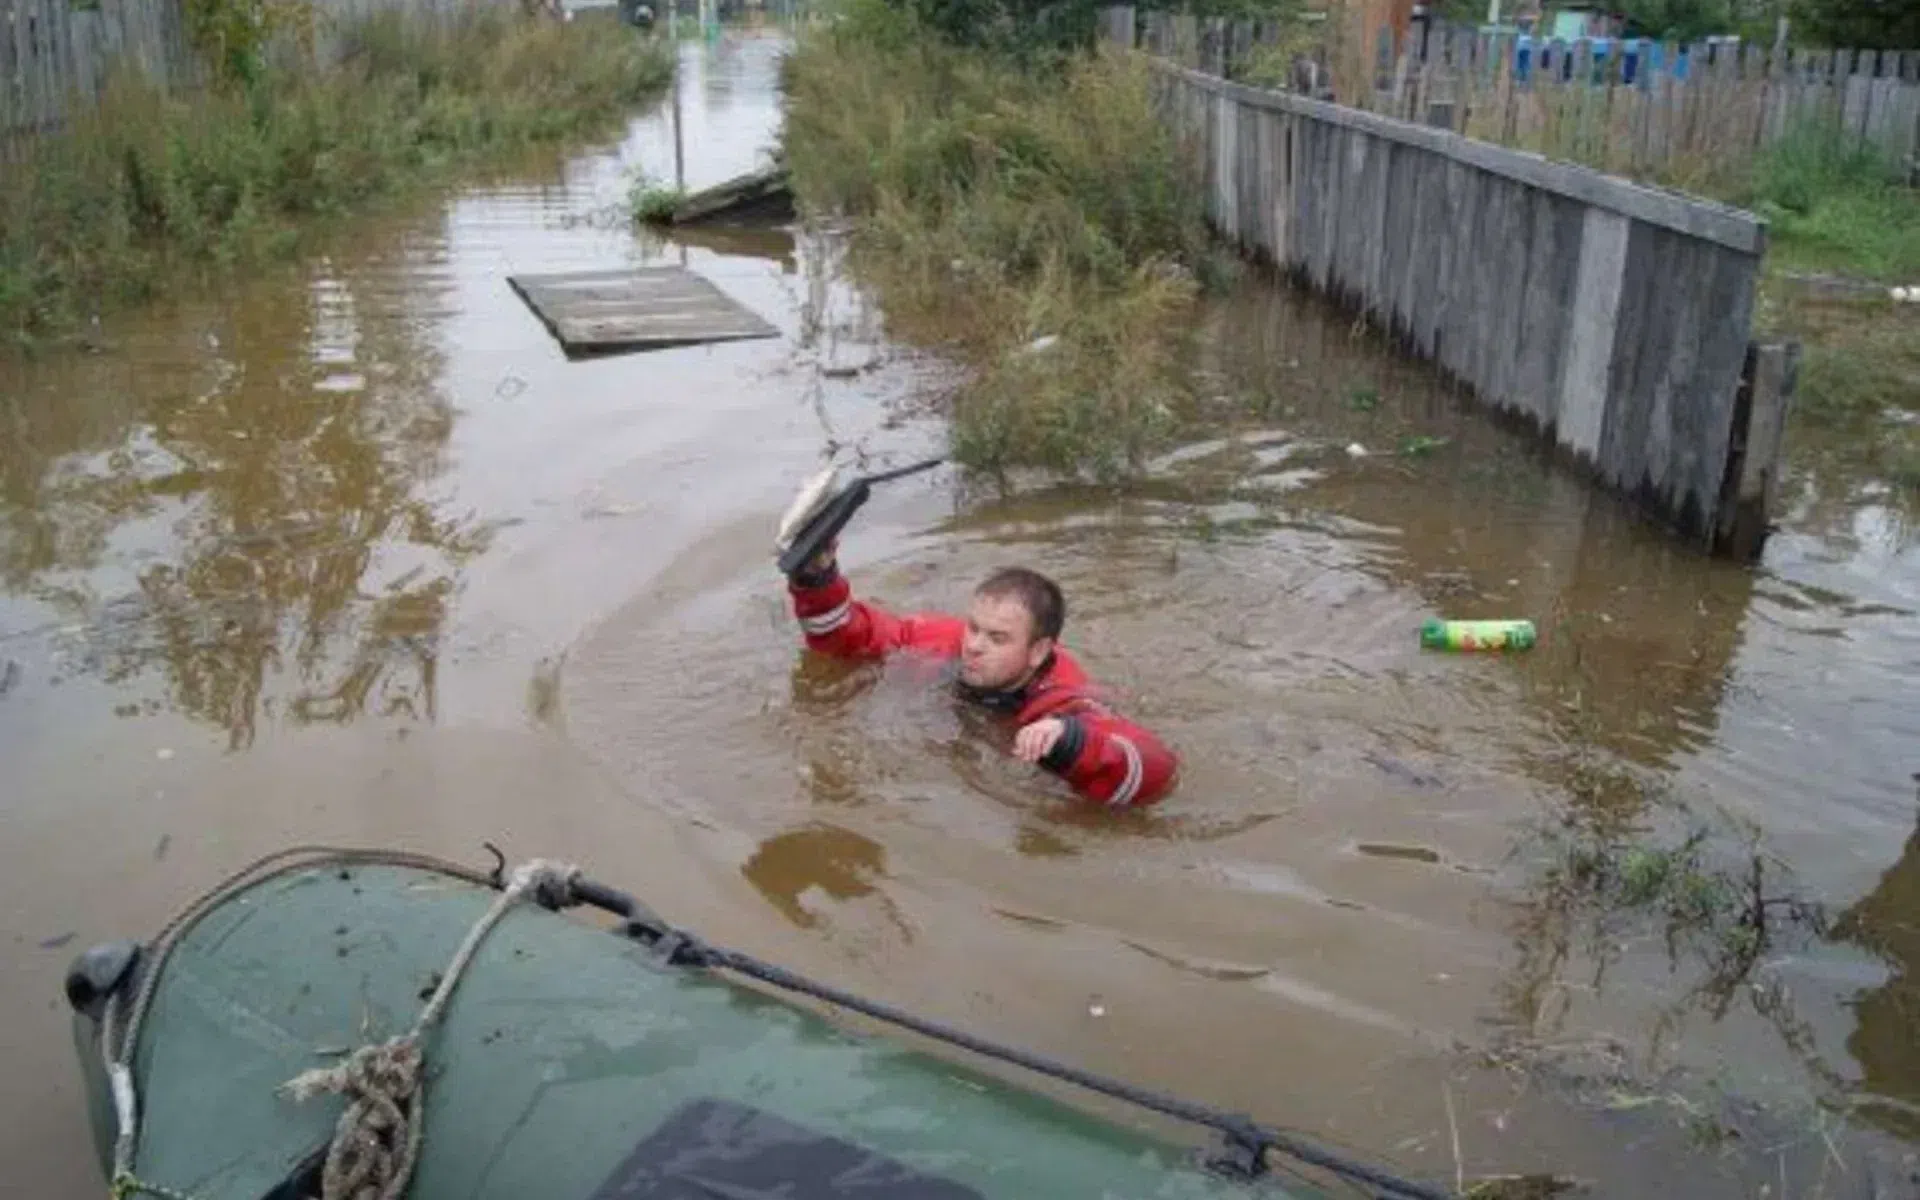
x=1516, y=634
x=763, y=195
x=1400, y=770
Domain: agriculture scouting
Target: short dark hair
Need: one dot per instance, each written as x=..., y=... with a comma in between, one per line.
x=1036, y=593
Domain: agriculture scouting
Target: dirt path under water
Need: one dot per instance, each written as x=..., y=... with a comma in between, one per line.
x=352, y=552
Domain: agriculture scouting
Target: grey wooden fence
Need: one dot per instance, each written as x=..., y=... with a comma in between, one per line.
x=1635, y=106
x=56, y=54
x=52, y=51
x=1652, y=108
x=1612, y=317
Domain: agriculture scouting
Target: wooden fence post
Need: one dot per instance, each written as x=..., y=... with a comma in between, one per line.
x=1752, y=483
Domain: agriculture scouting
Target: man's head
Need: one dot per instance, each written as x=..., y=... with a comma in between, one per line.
x=1012, y=626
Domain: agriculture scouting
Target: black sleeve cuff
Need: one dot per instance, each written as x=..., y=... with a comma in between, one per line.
x=808, y=578
x=1066, y=751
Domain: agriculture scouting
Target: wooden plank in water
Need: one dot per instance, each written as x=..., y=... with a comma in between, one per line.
x=765, y=195
x=604, y=312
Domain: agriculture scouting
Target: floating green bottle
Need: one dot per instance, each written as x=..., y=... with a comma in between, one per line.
x=1436, y=634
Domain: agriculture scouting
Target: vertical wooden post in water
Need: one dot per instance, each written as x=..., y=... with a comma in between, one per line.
x=679, y=144
x=1753, y=474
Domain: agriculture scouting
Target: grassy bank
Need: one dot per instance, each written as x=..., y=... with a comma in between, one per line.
x=1833, y=206
x=1033, y=220
x=1833, y=210
x=149, y=187
x=1859, y=387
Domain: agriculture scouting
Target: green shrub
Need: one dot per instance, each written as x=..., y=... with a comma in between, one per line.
x=1834, y=204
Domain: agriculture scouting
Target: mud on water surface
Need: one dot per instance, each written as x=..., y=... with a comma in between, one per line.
x=350, y=551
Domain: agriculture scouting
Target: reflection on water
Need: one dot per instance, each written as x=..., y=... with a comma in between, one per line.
x=249, y=515
x=1886, y=921
x=835, y=861
x=368, y=493
x=774, y=244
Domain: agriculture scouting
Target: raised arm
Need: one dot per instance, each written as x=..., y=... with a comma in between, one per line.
x=837, y=624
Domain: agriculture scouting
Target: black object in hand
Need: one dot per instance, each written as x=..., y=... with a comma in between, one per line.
x=833, y=515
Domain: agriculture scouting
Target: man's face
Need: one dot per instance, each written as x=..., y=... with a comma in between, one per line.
x=999, y=647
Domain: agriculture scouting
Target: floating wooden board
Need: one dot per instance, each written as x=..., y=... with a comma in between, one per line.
x=759, y=196
x=652, y=308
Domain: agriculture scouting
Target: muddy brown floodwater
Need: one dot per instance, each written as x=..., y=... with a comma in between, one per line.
x=349, y=551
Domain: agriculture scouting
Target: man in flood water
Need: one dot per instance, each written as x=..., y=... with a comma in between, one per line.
x=1008, y=658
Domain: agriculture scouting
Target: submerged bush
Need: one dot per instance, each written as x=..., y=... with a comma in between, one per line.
x=654, y=203
x=147, y=182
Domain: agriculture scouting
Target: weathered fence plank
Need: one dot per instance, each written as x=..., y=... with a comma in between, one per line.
x=10, y=77
x=1615, y=318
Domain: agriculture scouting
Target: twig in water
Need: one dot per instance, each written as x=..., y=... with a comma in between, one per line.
x=1453, y=1129
x=1833, y=1151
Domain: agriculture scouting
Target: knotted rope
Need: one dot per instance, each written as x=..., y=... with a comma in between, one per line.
x=377, y=1139
x=121, y=1024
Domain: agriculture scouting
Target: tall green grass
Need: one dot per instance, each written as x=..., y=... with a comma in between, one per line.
x=997, y=204
x=1834, y=205
x=1862, y=382
x=147, y=186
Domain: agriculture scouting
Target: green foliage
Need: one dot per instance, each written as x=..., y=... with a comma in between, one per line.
x=1857, y=24
x=1835, y=205
x=1030, y=28
x=1840, y=387
x=1008, y=26
x=1677, y=20
x=148, y=183
x=997, y=203
x=1255, y=10
x=1294, y=30
x=1808, y=163
x=1903, y=469
x=653, y=203
x=1834, y=208
x=1460, y=12
x=1712, y=893
x=233, y=36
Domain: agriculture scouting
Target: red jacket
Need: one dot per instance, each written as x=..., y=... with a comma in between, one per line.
x=1102, y=756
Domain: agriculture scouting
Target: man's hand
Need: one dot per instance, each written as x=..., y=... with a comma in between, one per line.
x=820, y=568
x=1033, y=742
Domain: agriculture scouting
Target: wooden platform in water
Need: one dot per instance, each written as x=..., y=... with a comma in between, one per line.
x=651, y=308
